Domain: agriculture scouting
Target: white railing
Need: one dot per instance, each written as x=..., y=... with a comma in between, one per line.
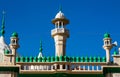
x=62, y=66
x=59, y=30
x=86, y=67
x=37, y=67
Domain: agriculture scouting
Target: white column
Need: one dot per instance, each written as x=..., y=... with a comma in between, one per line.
x=46, y=67
x=107, y=55
x=83, y=67
x=24, y=67
x=39, y=67
x=92, y=68
x=32, y=67
x=97, y=67
x=88, y=67
x=61, y=66
x=42, y=67
x=51, y=67
x=80, y=67
x=55, y=65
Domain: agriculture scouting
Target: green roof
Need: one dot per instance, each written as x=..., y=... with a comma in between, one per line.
x=106, y=35
x=61, y=59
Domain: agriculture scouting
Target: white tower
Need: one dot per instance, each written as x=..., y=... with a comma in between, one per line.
x=107, y=46
x=60, y=33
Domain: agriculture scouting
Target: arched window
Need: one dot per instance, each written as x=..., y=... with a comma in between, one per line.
x=13, y=41
x=107, y=42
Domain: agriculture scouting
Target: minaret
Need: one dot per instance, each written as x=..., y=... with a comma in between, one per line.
x=4, y=48
x=60, y=33
x=107, y=46
x=14, y=45
x=40, y=49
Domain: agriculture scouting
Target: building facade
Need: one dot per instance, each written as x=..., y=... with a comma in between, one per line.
x=59, y=65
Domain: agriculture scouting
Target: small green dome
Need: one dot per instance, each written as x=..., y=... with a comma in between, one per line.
x=14, y=34
x=115, y=53
x=6, y=51
x=106, y=35
x=2, y=31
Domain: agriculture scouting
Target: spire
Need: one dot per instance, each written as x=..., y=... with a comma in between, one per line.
x=40, y=50
x=60, y=8
x=3, y=24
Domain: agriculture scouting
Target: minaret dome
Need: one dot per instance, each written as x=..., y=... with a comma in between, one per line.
x=60, y=19
x=60, y=15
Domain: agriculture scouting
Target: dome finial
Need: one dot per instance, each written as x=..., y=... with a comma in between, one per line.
x=40, y=49
x=60, y=8
x=3, y=23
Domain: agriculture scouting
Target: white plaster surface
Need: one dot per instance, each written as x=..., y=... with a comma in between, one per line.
x=116, y=75
x=5, y=74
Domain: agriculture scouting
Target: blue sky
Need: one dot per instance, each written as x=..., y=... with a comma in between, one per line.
x=89, y=20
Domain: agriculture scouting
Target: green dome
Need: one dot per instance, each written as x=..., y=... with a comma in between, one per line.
x=106, y=35
x=15, y=34
x=6, y=51
x=2, y=32
x=115, y=53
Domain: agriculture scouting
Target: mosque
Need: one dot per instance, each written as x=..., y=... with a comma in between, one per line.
x=60, y=65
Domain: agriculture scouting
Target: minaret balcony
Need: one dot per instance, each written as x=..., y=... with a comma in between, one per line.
x=107, y=47
x=60, y=31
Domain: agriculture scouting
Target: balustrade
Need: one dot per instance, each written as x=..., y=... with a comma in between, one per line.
x=62, y=63
x=60, y=67
x=86, y=67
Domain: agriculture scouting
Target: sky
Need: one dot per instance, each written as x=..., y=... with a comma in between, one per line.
x=89, y=20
